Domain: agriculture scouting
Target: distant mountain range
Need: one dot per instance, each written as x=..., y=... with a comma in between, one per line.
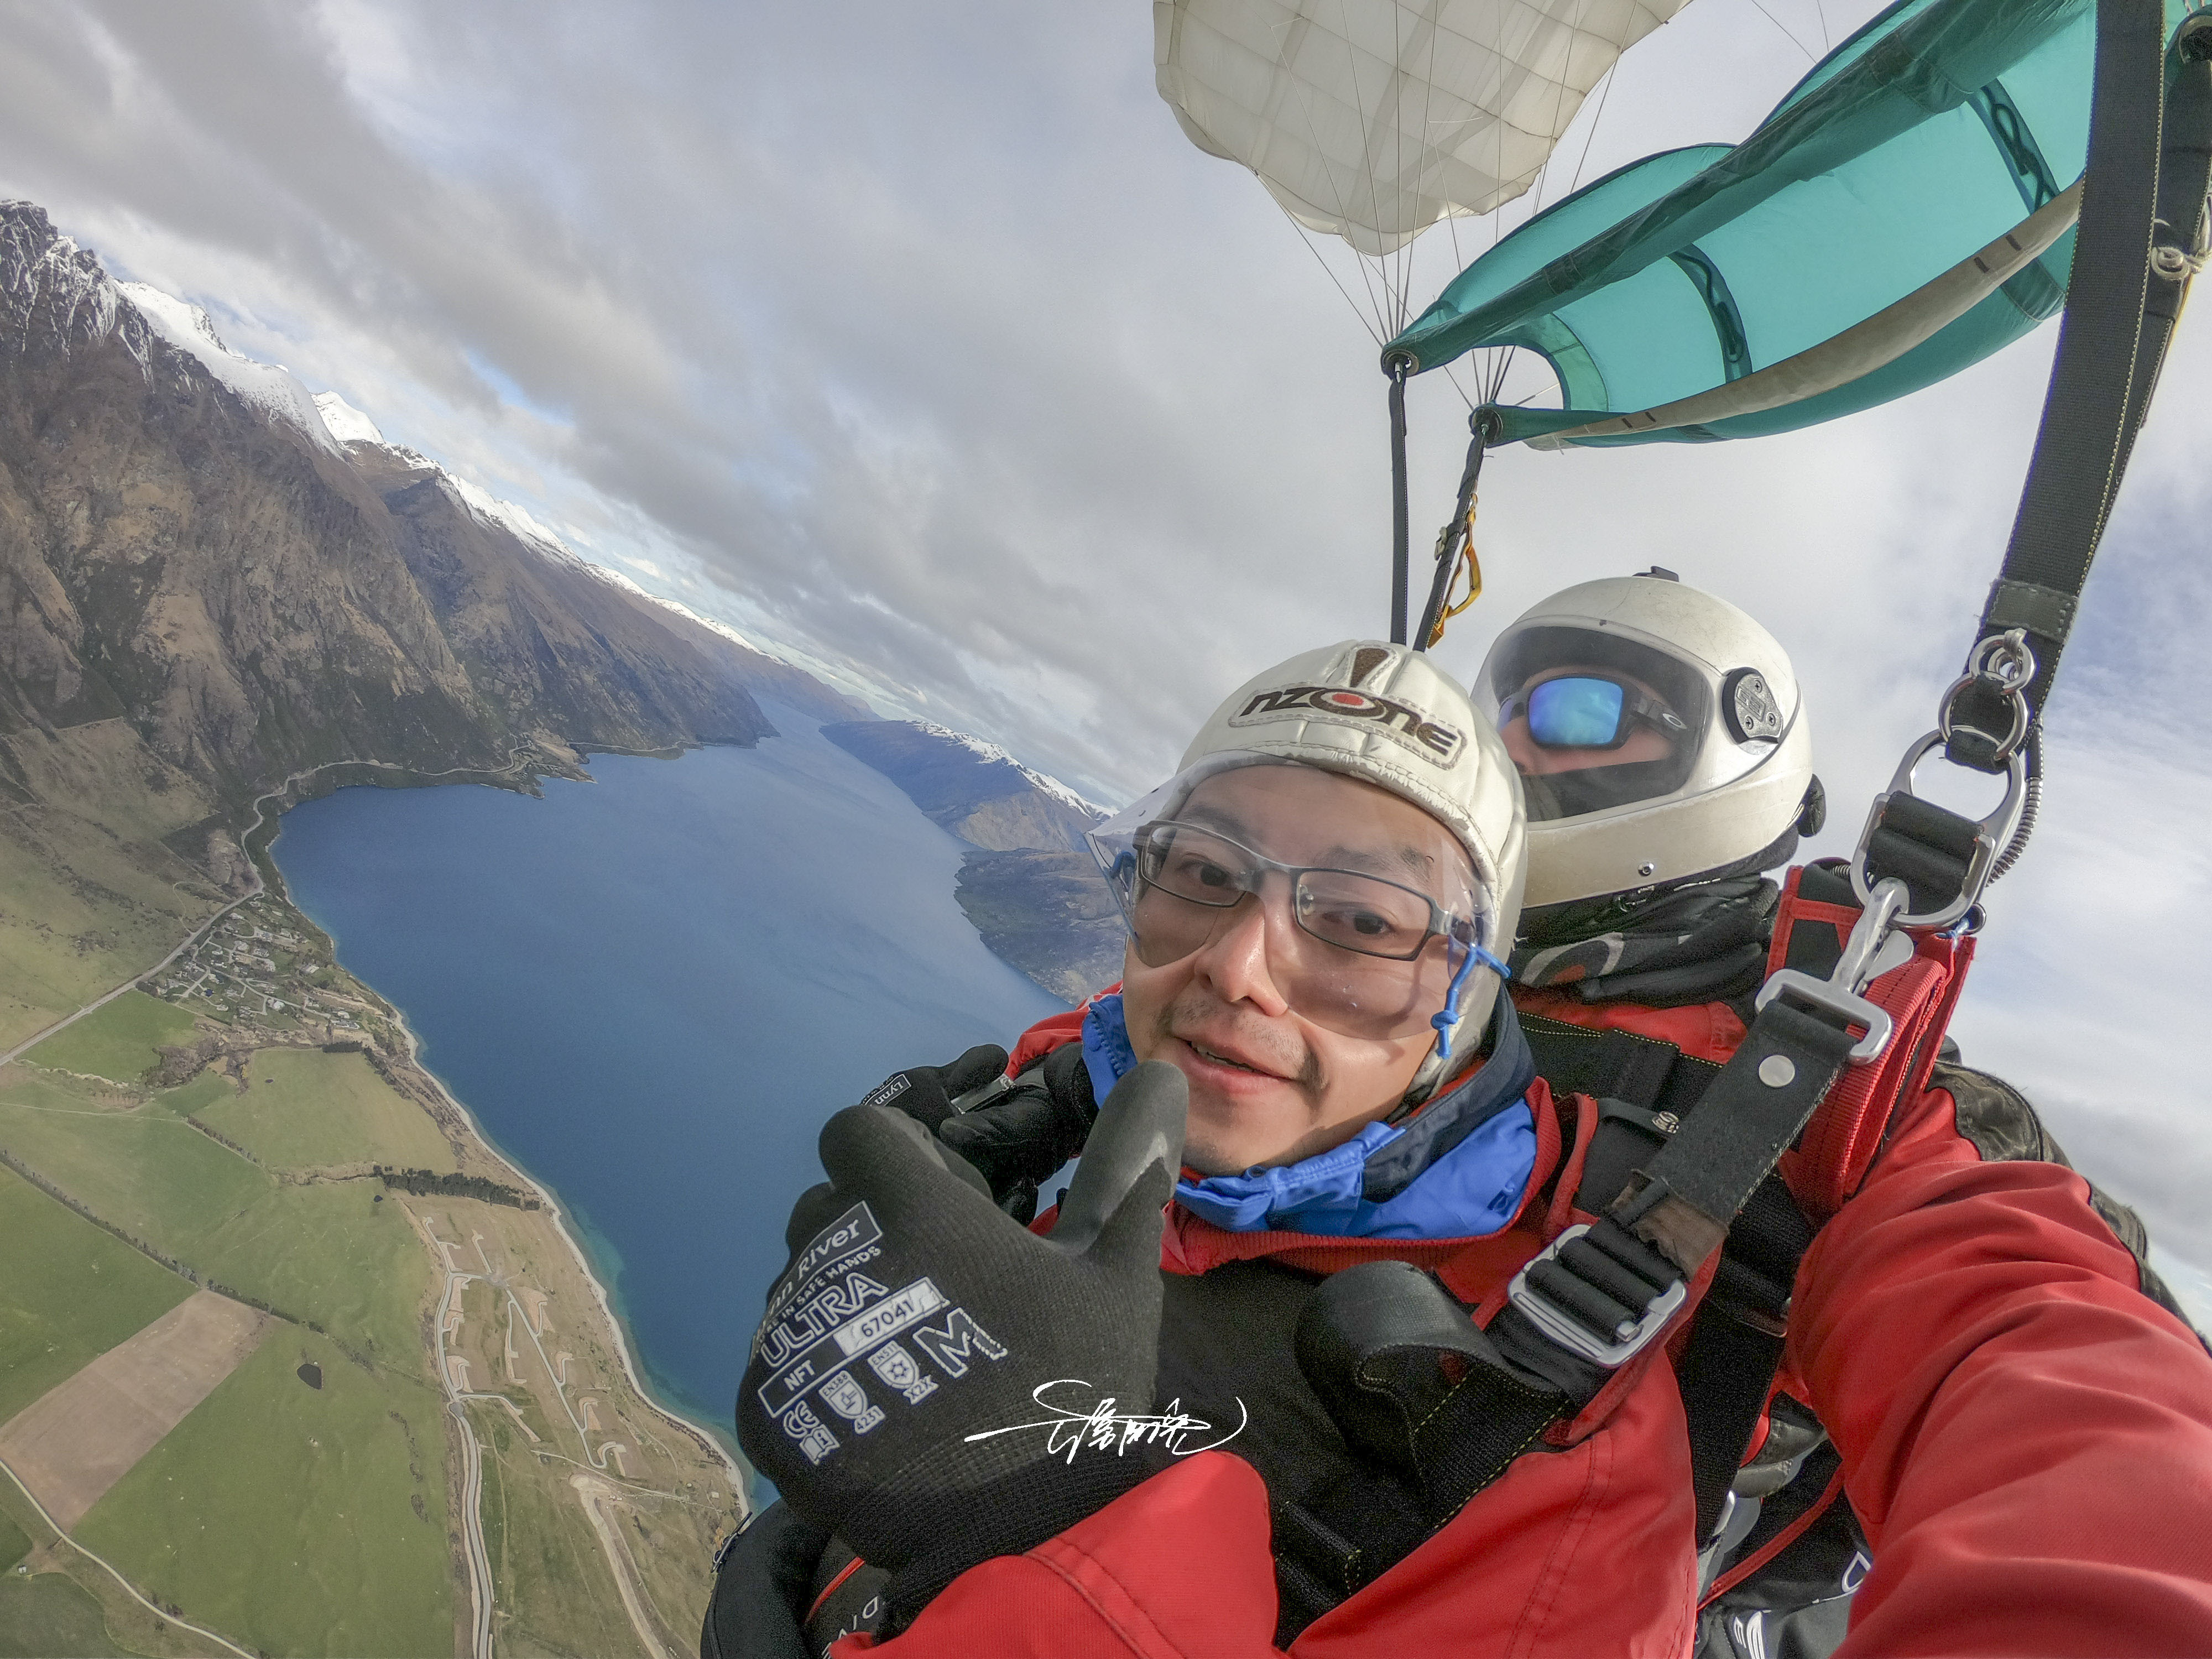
x=212, y=583
x=1031, y=887
x=974, y=789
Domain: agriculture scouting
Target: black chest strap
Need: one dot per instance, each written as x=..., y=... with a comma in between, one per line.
x=1646, y=1089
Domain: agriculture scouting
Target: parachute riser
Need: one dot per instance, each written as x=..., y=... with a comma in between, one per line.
x=2143, y=229
x=2142, y=235
x=1398, y=367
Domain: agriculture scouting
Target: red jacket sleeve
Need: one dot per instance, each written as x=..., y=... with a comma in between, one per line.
x=2027, y=1438
x=1127, y=1581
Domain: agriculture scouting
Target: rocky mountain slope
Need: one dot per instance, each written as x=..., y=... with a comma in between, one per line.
x=974, y=789
x=1030, y=886
x=206, y=593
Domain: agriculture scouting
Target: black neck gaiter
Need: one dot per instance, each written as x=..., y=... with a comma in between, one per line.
x=1701, y=942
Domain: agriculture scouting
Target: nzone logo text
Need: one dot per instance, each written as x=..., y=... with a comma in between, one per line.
x=1334, y=701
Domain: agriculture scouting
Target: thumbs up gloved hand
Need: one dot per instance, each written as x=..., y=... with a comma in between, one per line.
x=915, y=1321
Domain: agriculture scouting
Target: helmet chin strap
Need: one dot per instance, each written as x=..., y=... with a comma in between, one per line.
x=1446, y=1020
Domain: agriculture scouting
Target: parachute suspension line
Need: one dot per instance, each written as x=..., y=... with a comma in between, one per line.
x=1384, y=309
x=1400, y=366
x=1307, y=237
x=1501, y=361
x=1456, y=541
x=1370, y=269
x=1786, y=35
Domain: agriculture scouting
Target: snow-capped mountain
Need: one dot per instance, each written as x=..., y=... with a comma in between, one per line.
x=222, y=582
x=269, y=387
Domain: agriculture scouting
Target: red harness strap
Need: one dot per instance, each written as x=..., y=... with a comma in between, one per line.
x=1838, y=1146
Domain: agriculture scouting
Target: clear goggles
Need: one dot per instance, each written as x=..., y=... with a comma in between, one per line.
x=1373, y=917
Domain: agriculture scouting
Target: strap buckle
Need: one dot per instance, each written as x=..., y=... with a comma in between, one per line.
x=1839, y=993
x=1572, y=1333
x=1989, y=835
x=982, y=1095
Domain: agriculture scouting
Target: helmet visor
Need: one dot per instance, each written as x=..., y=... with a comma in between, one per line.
x=1597, y=719
x=1366, y=906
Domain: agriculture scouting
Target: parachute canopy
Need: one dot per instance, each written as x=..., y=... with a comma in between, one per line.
x=1905, y=211
x=1372, y=119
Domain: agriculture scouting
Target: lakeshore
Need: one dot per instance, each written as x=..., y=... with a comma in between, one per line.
x=246, y=1076
x=648, y=992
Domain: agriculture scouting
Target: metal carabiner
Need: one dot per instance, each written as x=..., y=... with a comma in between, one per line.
x=2007, y=662
x=1991, y=835
x=1839, y=994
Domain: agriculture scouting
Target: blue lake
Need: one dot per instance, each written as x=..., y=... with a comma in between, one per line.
x=652, y=989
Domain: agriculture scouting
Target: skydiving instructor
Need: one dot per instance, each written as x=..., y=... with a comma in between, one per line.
x=1267, y=1379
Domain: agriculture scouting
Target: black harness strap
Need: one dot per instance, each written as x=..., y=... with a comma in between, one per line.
x=1645, y=1089
x=1401, y=526
x=2139, y=240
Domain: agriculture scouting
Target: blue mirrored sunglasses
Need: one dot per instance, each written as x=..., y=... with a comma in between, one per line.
x=1587, y=711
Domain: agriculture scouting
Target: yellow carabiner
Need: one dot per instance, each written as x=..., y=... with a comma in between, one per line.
x=1470, y=566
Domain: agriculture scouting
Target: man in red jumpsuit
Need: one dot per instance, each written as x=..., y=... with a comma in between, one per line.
x=1647, y=916
x=2002, y=1397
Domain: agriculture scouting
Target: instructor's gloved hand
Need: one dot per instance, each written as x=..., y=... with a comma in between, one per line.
x=915, y=1320
x=1015, y=1131
x=763, y=1584
x=927, y=1093
x=1024, y=1135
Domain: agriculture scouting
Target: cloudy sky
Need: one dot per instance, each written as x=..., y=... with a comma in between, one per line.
x=917, y=341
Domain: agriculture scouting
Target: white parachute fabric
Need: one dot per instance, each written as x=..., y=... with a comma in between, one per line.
x=1372, y=119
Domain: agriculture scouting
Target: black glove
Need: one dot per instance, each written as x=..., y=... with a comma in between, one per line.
x=763, y=1583
x=915, y=1321
x=1015, y=1131
x=926, y=1093
x=1024, y=1135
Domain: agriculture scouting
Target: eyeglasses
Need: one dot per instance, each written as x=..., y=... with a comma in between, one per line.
x=1587, y=711
x=1385, y=966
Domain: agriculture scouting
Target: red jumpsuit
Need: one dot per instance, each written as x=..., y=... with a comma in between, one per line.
x=2026, y=1437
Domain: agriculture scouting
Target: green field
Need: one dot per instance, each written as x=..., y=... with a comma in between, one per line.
x=47, y=1616
x=71, y=1293
x=324, y=1252
x=119, y=1042
x=292, y=1519
x=302, y=1109
x=88, y=896
x=15, y=1543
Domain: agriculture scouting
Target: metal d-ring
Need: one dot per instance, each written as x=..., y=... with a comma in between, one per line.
x=2007, y=662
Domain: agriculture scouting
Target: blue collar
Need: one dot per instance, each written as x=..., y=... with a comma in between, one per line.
x=1457, y=1169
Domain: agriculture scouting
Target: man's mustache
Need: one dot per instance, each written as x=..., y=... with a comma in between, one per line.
x=1195, y=1009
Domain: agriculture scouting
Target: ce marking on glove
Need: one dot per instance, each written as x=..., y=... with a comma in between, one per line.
x=1072, y=1427
x=834, y=1314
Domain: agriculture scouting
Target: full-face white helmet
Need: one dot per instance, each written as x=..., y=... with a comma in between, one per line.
x=1660, y=734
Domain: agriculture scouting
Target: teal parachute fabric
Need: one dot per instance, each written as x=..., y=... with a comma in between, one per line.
x=1905, y=212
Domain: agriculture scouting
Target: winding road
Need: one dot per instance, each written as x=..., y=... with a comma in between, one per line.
x=593, y=1490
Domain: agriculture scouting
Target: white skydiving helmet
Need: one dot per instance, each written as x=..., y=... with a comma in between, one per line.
x=1660, y=734
x=1398, y=928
